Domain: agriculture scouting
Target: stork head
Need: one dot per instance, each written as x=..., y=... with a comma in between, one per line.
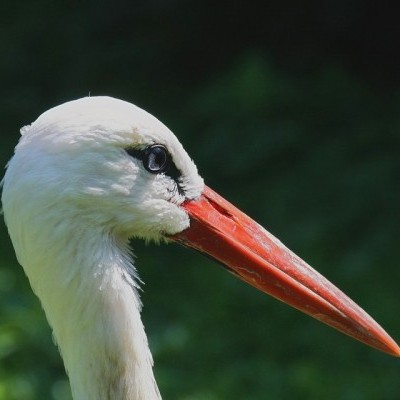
x=116, y=169
x=107, y=162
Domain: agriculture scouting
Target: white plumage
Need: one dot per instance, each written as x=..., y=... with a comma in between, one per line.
x=88, y=175
x=72, y=197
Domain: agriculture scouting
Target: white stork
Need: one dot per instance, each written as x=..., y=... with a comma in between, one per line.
x=92, y=173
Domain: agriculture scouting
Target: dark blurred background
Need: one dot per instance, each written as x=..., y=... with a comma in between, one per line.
x=290, y=110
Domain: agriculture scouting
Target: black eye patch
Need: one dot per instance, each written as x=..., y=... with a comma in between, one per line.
x=156, y=159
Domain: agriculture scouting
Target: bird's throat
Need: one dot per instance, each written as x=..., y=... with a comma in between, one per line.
x=94, y=310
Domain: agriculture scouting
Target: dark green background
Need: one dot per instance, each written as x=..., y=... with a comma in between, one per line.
x=290, y=110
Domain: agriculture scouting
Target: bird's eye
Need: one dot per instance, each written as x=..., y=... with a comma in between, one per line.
x=156, y=159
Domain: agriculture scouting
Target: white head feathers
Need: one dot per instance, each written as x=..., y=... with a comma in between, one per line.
x=83, y=180
x=76, y=153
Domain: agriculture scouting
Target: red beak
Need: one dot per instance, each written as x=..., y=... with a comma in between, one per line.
x=220, y=230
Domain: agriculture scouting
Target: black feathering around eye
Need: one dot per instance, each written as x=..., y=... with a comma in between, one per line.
x=156, y=159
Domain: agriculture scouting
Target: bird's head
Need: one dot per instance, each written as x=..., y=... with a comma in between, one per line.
x=109, y=166
x=108, y=163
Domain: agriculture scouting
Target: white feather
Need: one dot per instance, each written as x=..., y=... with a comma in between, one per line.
x=72, y=198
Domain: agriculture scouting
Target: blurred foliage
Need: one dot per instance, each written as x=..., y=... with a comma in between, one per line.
x=287, y=115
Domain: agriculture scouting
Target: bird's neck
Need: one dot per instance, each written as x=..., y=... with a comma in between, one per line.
x=92, y=304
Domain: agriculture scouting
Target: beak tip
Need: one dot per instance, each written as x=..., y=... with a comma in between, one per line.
x=395, y=350
x=388, y=346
